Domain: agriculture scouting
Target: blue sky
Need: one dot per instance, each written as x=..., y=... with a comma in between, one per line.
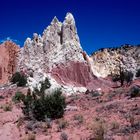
x=100, y=23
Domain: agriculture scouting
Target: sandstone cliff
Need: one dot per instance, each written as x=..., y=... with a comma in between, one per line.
x=106, y=61
x=8, y=60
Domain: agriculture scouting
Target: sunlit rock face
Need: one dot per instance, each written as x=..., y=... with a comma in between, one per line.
x=75, y=73
x=58, y=53
x=8, y=60
x=107, y=61
x=59, y=46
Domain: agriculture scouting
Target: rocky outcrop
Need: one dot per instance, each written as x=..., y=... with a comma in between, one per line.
x=73, y=73
x=107, y=61
x=58, y=44
x=58, y=55
x=8, y=60
x=56, y=52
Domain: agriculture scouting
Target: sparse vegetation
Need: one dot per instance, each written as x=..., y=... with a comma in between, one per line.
x=1, y=97
x=74, y=97
x=128, y=77
x=131, y=120
x=19, y=96
x=138, y=73
x=38, y=105
x=123, y=76
x=78, y=118
x=115, y=125
x=48, y=122
x=62, y=124
x=7, y=107
x=30, y=136
x=93, y=93
x=19, y=79
x=63, y=136
x=98, y=130
x=134, y=91
x=20, y=121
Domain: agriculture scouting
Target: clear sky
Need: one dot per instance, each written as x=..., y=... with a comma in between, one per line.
x=100, y=23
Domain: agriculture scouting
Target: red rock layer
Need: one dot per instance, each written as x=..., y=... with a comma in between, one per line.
x=74, y=73
x=79, y=74
x=8, y=60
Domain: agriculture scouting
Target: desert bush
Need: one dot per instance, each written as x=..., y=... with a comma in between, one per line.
x=134, y=91
x=20, y=122
x=115, y=125
x=30, y=136
x=98, y=130
x=7, y=107
x=138, y=73
x=78, y=118
x=19, y=79
x=132, y=120
x=19, y=96
x=48, y=122
x=128, y=76
x=45, y=85
x=115, y=78
x=123, y=76
x=38, y=105
x=93, y=93
x=62, y=124
x=63, y=136
x=1, y=97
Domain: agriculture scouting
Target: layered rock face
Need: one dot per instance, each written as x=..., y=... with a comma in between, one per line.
x=107, y=61
x=8, y=60
x=58, y=44
x=58, y=53
x=74, y=73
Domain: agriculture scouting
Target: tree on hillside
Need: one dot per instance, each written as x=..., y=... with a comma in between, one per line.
x=123, y=76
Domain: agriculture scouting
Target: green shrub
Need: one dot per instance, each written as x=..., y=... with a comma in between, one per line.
x=7, y=107
x=78, y=118
x=19, y=79
x=123, y=76
x=38, y=105
x=63, y=136
x=62, y=124
x=115, y=125
x=19, y=96
x=98, y=130
x=45, y=85
x=1, y=97
x=128, y=76
x=138, y=73
x=115, y=78
x=134, y=91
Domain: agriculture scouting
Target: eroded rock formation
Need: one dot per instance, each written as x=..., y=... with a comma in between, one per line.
x=107, y=61
x=57, y=52
x=58, y=44
x=8, y=60
x=58, y=55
